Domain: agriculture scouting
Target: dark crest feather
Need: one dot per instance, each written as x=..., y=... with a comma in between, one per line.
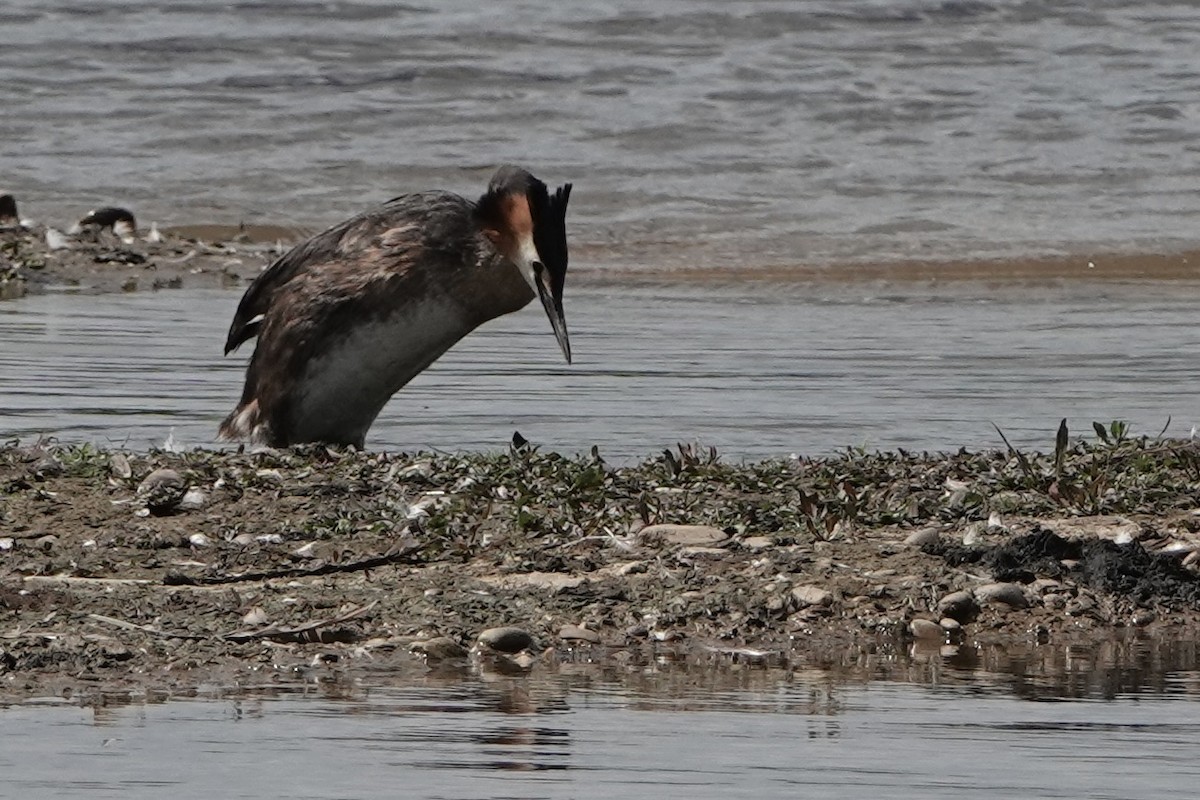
x=550, y=228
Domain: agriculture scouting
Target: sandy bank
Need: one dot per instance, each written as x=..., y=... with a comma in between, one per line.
x=230, y=566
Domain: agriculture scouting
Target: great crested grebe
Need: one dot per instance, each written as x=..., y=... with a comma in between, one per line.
x=347, y=318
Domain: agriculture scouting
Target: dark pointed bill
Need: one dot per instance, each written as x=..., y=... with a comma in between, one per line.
x=551, y=297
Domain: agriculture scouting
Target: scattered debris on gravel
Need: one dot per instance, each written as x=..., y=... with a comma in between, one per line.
x=95, y=258
x=168, y=569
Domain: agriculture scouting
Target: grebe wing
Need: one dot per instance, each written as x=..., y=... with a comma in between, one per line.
x=344, y=244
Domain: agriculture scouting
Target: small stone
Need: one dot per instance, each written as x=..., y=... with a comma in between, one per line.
x=506, y=640
x=243, y=539
x=162, y=490
x=193, y=499
x=118, y=465
x=1055, y=602
x=923, y=537
x=574, y=633
x=199, y=540
x=116, y=652
x=702, y=552
x=949, y=625
x=757, y=543
x=7, y=543
x=812, y=596
x=255, y=616
x=48, y=467
x=270, y=476
x=694, y=535
x=1079, y=606
x=306, y=550
x=959, y=606
x=1143, y=617
x=524, y=660
x=440, y=648
x=1045, y=585
x=1010, y=594
x=927, y=629
x=46, y=542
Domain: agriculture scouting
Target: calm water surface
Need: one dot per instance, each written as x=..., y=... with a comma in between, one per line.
x=768, y=734
x=696, y=131
x=757, y=371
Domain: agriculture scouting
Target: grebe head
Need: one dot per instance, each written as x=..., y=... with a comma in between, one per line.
x=527, y=225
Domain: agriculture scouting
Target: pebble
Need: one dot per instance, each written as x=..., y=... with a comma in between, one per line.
x=923, y=537
x=757, y=543
x=702, y=552
x=7, y=543
x=927, y=629
x=199, y=540
x=1079, y=606
x=271, y=476
x=193, y=499
x=959, y=606
x=812, y=596
x=950, y=625
x=46, y=542
x=1010, y=594
x=1044, y=585
x=162, y=490
x=693, y=535
x=118, y=465
x=1144, y=617
x=440, y=648
x=255, y=616
x=1055, y=602
x=574, y=633
x=506, y=640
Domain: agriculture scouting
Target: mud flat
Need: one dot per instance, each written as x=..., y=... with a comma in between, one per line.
x=167, y=571
x=99, y=261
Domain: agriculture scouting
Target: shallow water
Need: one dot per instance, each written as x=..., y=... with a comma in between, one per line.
x=748, y=733
x=696, y=131
x=755, y=370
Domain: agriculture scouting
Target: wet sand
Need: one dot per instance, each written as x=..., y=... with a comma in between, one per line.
x=98, y=261
x=208, y=256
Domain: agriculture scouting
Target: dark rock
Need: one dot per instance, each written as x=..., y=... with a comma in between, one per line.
x=958, y=606
x=506, y=640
